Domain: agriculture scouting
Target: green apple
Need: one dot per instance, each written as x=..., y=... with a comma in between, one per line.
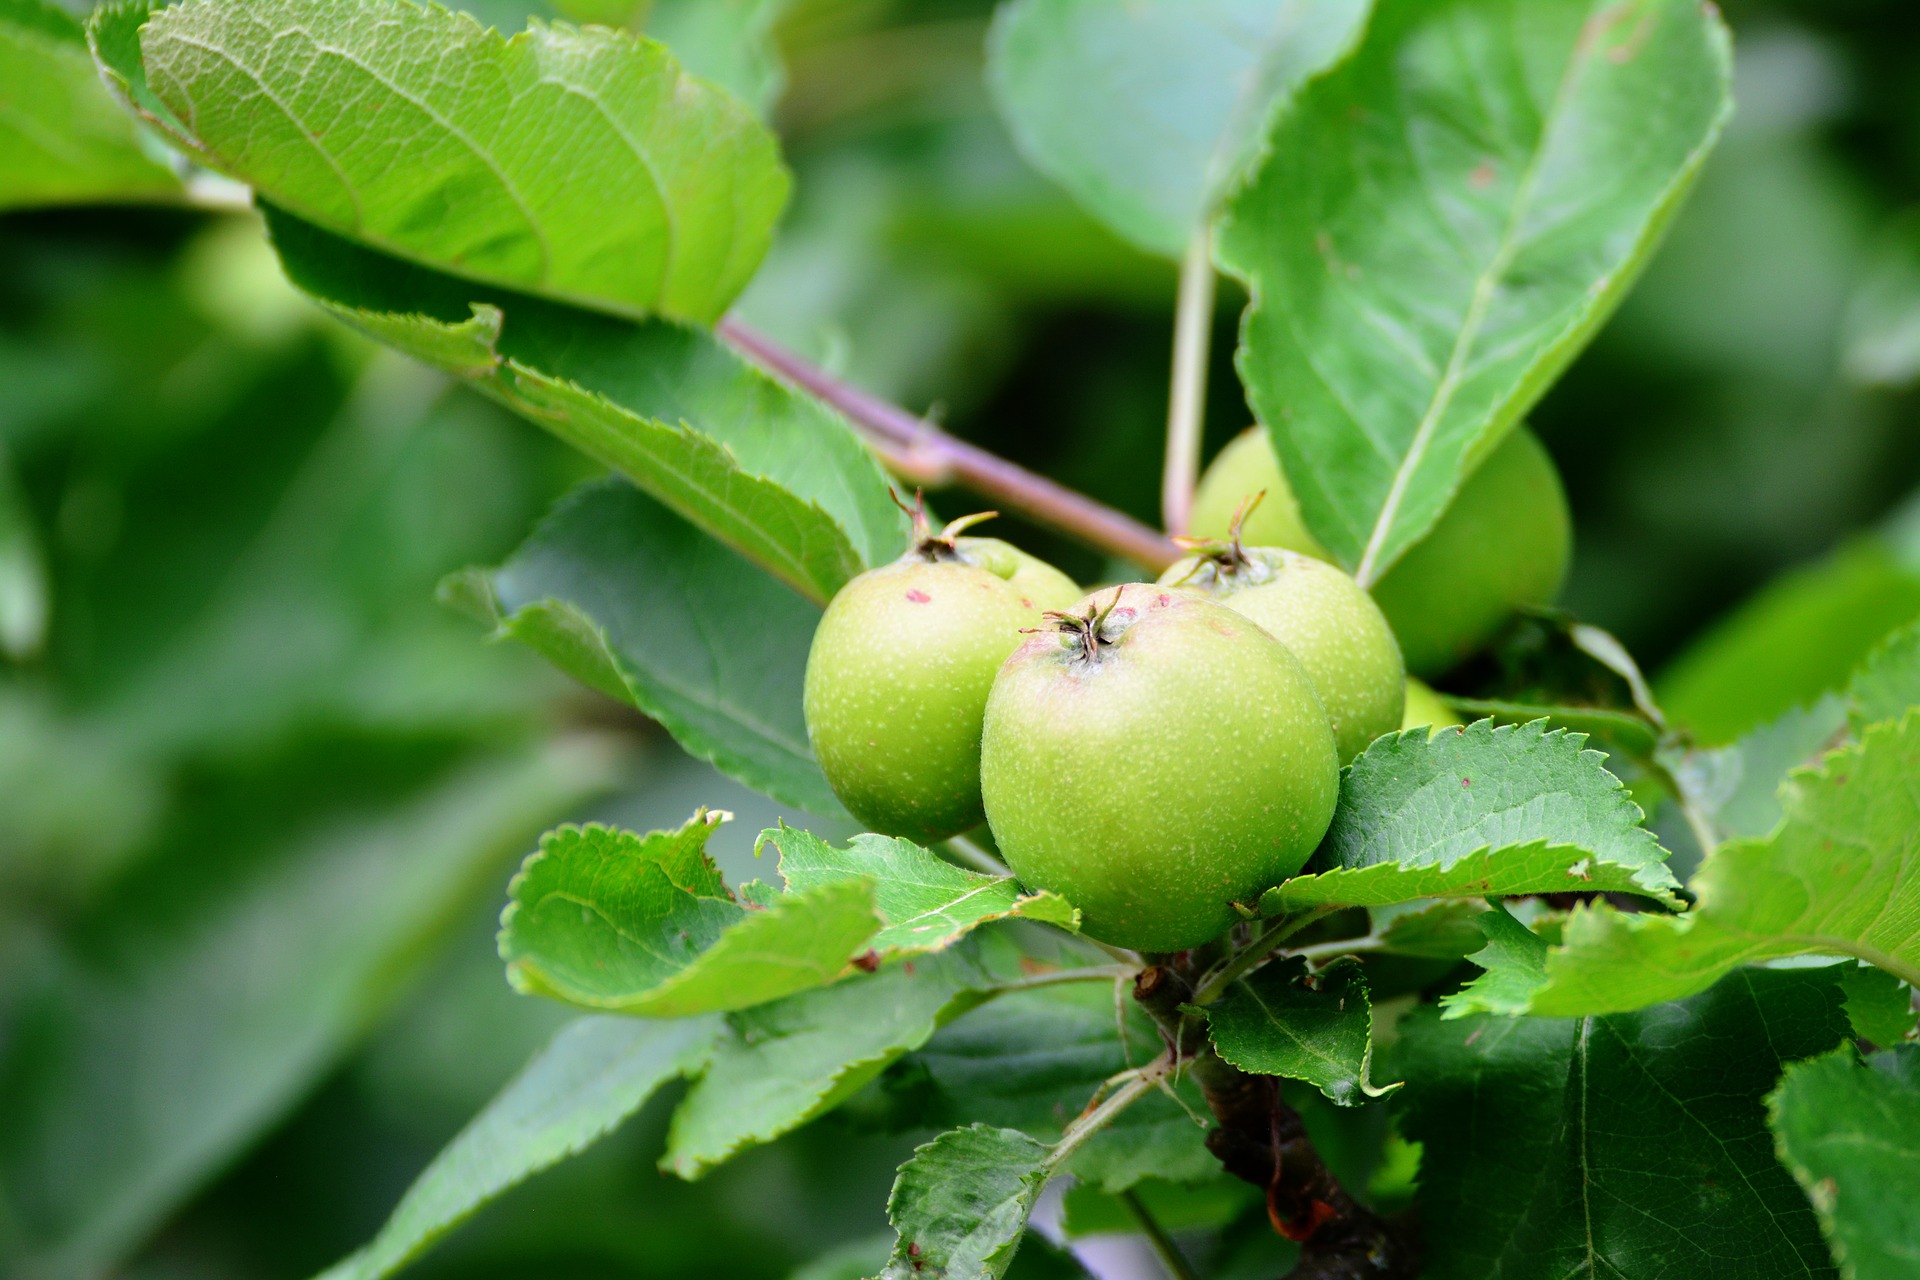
x=898, y=676
x=1321, y=615
x=1426, y=709
x=1502, y=544
x=1154, y=758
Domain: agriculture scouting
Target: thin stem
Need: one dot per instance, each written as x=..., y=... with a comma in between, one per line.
x=1334, y=950
x=973, y=855
x=1212, y=987
x=1187, y=402
x=1059, y=977
x=1092, y=1122
x=926, y=455
x=1163, y=1246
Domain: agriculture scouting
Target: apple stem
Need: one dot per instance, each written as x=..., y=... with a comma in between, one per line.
x=1260, y=1139
x=921, y=452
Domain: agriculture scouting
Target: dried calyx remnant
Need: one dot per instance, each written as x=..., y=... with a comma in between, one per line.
x=1260, y=1139
x=1217, y=559
x=944, y=545
x=1094, y=629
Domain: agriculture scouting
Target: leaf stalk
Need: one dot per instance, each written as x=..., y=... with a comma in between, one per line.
x=1187, y=400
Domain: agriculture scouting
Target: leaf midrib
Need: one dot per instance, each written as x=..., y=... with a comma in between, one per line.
x=1370, y=568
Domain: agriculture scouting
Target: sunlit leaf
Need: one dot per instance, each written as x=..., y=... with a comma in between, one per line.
x=1475, y=812
x=1440, y=225
x=927, y=903
x=601, y=918
x=580, y=164
x=1841, y=876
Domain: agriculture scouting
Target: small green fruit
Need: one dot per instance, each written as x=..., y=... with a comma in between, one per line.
x=1324, y=618
x=1155, y=758
x=898, y=676
x=1502, y=544
x=1426, y=710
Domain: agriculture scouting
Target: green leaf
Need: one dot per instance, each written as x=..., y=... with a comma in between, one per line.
x=1800, y=637
x=159, y=1050
x=782, y=1064
x=1515, y=960
x=1840, y=876
x=63, y=139
x=1850, y=1132
x=580, y=164
x=1737, y=788
x=765, y=470
x=1150, y=112
x=1630, y=1145
x=1444, y=930
x=629, y=599
x=23, y=570
x=960, y=1205
x=601, y=918
x=596, y=1073
x=1283, y=1021
x=1879, y=1005
x=1474, y=812
x=1031, y=1060
x=1442, y=223
x=1887, y=684
x=928, y=904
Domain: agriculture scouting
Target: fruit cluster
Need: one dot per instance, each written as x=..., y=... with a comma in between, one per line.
x=1157, y=752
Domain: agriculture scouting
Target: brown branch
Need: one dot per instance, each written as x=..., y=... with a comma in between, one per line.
x=1262, y=1140
x=925, y=455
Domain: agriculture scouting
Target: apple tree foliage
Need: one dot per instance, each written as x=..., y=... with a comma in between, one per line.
x=1432, y=205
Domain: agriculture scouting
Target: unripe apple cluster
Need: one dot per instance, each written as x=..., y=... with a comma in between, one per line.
x=1159, y=753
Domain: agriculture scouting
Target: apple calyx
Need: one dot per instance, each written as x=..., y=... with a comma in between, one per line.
x=931, y=547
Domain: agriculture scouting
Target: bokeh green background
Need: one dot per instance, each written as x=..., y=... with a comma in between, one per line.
x=260, y=793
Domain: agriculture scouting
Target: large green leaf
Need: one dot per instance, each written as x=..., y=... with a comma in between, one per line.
x=771, y=473
x=1318, y=1028
x=927, y=903
x=1477, y=811
x=169, y=1038
x=601, y=918
x=573, y=163
x=628, y=598
x=1627, y=1146
x=961, y=1204
x=1149, y=112
x=1850, y=1131
x=1841, y=876
x=1442, y=223
x=781, y=1064
x=596, y=1073
x=63, y=140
